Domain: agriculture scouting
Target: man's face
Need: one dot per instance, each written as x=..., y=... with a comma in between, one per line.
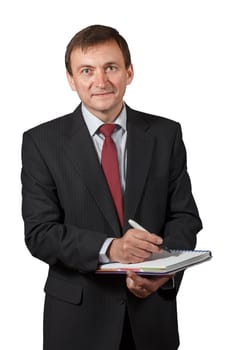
x=100, y=79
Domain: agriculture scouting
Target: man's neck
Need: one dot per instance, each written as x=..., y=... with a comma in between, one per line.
x=106, y=116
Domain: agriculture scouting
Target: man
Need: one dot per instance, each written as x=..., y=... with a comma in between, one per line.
x=76, y=209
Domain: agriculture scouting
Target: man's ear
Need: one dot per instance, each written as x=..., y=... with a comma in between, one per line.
x=70, y=81
x=130, y=72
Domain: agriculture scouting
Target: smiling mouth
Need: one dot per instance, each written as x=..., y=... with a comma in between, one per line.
x=106, y=93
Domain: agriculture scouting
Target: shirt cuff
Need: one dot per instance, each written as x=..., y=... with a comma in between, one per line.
x=103, y=258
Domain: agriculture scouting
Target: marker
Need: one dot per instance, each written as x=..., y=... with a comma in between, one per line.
x=135, y=225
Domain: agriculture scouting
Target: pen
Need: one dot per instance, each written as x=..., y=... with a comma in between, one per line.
x=135, y=225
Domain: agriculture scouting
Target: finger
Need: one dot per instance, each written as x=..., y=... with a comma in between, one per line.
x=138, y=291
x=147, y=246
x=150, y=284
x=144, y=236
x=139, y=246
x=139, y=254
x=136, y=281
x=141, y=294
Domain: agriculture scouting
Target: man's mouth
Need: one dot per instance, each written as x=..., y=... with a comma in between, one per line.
x=103, y=93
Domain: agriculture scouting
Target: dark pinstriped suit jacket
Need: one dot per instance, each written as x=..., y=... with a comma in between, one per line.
x=68, y=213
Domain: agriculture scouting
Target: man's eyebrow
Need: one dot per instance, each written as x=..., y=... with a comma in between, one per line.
x=84, y=66
x=111, y=63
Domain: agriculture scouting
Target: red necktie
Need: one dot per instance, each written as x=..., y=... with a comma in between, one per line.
x=109, y=161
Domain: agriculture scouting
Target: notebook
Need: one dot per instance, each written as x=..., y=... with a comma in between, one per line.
x=163, y=263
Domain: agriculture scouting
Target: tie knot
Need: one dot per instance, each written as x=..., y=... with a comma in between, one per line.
x=107, y=129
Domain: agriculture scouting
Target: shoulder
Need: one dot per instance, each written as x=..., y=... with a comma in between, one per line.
x=154, y=122
x=58, y=126
x=50, y=126
x=53, y=134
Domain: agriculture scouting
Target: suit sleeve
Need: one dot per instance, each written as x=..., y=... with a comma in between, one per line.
x=46, y=235
x=182, y=219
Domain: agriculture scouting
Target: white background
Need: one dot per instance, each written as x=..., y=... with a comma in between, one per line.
x=182, y=55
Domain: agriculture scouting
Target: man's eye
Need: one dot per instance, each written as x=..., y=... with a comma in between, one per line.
x=111, y=68
x=86, y=71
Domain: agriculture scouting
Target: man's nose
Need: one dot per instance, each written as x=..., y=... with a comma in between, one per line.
x=101, y=79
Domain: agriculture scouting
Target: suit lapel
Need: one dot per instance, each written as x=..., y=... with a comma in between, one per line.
x=82, y=153
x=140, y=145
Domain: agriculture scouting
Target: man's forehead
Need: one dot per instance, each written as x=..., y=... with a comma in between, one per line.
x=109, y=51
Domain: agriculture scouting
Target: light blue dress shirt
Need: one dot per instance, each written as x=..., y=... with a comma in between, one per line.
x=119, y=136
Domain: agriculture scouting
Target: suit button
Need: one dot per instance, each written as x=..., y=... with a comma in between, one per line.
x=122, y=301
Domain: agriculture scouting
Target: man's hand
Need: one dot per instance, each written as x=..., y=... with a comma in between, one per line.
x=135, y=246
x=142, y=287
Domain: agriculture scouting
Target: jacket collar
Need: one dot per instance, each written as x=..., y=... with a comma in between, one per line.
x=82, y=153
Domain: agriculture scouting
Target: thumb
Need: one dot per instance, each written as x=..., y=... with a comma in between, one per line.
x=129, y=282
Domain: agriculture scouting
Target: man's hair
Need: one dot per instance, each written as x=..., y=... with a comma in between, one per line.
x=94, y=35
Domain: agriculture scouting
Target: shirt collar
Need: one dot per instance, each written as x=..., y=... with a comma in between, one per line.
x=93, y=123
